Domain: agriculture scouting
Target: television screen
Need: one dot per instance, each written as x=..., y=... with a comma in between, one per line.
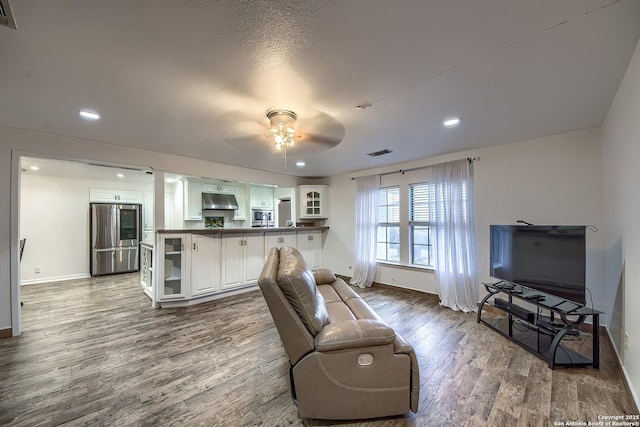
x=550, y=259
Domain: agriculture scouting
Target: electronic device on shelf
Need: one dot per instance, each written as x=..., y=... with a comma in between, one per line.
x=515, y=309
x=548, y=258
x=555, y=327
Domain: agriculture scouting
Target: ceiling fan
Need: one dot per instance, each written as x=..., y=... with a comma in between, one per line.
x=281, y=130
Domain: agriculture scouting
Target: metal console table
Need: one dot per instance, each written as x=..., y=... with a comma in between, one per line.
x=543, y=330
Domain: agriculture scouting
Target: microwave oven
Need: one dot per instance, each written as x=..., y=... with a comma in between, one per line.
x=261, y=218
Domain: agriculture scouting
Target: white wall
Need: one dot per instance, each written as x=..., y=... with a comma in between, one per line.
x=40, y=144
x=621, y=153
x=551, y=180
x=54, y=218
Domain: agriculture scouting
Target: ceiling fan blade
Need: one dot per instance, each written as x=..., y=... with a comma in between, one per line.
x=323, y=141
x=256, y=143
x=236, y=123
x=323, y=127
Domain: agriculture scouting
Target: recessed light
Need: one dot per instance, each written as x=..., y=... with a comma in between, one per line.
x=34, y=168
x=89, y=115
x=300, y=164
x=120, y=175
x=451, y=122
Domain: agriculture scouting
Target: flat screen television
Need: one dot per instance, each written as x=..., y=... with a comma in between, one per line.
x=550, y=259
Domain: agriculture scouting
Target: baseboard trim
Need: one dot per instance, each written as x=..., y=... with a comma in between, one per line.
x=625, y=376
x=388, y=285
x=6, y=333
x=54, y=279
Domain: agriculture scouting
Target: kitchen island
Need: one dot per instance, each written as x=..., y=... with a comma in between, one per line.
x=199, y=265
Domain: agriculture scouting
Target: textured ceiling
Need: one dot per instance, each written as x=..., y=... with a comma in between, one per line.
x=164, y=74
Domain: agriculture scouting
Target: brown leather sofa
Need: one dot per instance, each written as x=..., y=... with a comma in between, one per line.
x=345, y=361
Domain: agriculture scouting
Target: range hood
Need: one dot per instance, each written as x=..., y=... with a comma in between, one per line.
x=219, y=201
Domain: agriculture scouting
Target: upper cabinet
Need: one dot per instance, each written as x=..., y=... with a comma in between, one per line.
x=261, y=196
x=313, y=201
x=240, y=214
x=192, y=199
x=117, y=196
x=223, y=188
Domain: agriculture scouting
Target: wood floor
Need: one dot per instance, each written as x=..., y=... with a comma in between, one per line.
x=93, y=352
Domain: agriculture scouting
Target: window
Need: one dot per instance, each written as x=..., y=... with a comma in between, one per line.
x=389, y=224
x=406, y=223
x=420, y=196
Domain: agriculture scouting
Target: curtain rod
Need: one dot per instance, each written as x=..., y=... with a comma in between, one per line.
x=402, y=171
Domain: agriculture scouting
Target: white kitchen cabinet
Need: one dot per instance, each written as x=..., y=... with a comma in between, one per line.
x=205, y=265
x=310, y=246
x=240, y=214
x=146, y=269
x=222, y=188
x=192, y=191
x=279, y=240
x=173, y=273
x=242, y=260
x=313, y=201
x=110, y=195
x=261, y=196
x=147, y=211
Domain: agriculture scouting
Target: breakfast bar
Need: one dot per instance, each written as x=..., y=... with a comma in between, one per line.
x=191, y=266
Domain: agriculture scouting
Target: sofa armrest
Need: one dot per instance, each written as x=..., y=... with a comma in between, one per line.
x=324, y=276
x=354, y=334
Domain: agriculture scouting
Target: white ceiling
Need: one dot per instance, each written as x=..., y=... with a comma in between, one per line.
x=163, y=74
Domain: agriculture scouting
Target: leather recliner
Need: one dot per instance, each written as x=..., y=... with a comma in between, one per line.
x=345, y=361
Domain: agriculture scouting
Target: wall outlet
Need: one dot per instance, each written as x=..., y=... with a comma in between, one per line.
x=36, y=270
x=626, y=341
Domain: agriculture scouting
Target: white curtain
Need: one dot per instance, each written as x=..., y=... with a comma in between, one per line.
x=367, y=189
x=452, y=221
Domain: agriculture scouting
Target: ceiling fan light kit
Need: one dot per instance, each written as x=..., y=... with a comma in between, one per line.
x=282, y=125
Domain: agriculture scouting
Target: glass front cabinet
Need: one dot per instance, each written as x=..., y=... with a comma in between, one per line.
x=172, y=284
x=313, y=201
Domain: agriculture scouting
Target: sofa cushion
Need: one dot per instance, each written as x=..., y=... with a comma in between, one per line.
x=345, y=292
x=324, y=276
x=338, y=312
x=297, y=283
x=354, y=334
x=329, y=294
x=362, y=310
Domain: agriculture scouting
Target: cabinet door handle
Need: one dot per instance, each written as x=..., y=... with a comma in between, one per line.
x=194, y=246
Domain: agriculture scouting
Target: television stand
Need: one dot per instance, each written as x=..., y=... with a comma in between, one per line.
x=545, y=325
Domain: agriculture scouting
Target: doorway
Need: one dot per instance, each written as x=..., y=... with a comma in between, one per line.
x=284, y=213
x=57, y=242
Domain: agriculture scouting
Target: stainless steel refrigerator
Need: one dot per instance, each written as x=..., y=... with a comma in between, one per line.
x=115, y=238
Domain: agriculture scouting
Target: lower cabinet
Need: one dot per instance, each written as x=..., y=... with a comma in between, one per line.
x=310, y=246
x=242, y=260
x=205, y=265
x=172, y=279
x=146, y=269
x=193, y=266
x=278, y=240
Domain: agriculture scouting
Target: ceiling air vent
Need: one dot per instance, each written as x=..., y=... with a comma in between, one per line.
x=380, y=153
x=6, y=16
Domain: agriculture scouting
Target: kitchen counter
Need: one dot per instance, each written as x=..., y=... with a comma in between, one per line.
x=257, y=230
x=199, y=265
